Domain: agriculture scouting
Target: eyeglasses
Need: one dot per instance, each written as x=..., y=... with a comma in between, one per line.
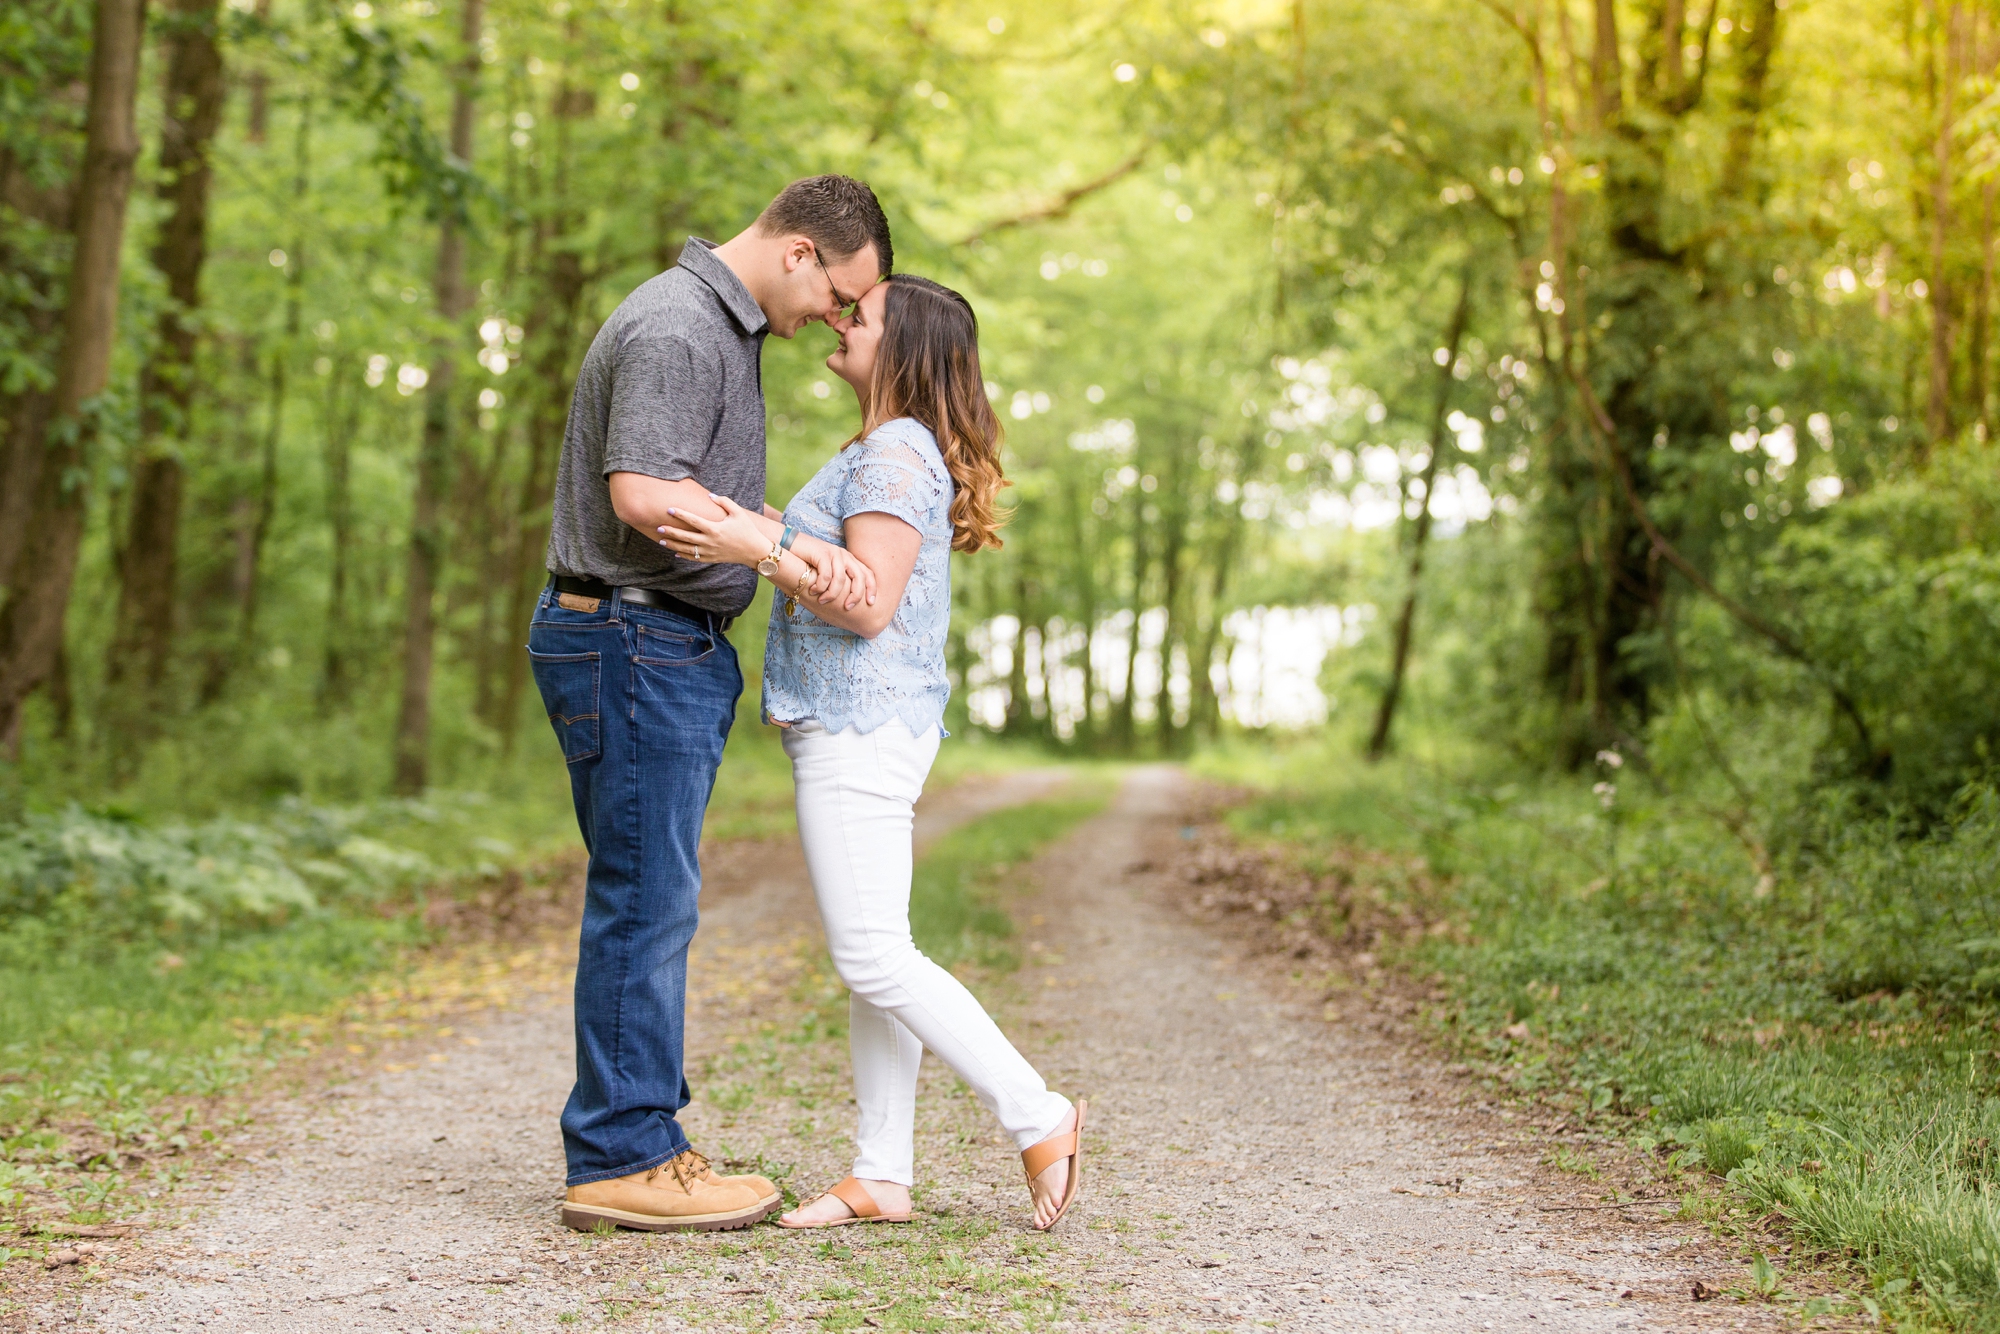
x=847, y=308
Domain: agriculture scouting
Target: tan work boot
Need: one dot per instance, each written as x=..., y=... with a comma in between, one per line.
x=680, y=1195
x=767, y=1190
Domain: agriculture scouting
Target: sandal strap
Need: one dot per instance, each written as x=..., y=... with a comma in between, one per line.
x=1037, y=1158
x=855, y=1196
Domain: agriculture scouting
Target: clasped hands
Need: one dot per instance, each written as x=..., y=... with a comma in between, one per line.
x=743, y=538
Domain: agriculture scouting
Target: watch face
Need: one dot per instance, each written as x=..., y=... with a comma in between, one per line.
x=767, y=567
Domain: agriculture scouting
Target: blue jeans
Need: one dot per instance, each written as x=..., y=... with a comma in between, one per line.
x=641, y=700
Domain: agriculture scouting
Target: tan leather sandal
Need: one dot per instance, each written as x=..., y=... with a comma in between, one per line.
x=855, y=1196
x=1037, y=1158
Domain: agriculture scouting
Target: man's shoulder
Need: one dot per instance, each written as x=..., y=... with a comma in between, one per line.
x=669, y=306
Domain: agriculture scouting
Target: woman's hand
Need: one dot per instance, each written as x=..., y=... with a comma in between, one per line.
x=737, y=538
x=836, y=570
x=742, y=538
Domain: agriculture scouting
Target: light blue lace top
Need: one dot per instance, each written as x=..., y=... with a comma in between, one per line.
x=820, y=671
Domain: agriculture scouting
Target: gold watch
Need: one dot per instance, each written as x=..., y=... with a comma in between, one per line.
x=768, y=567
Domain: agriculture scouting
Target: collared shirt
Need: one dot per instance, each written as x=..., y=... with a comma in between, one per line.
x=672, y=387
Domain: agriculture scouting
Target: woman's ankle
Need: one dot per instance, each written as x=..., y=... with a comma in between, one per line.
x=1062, y=1127
x=891, y=1197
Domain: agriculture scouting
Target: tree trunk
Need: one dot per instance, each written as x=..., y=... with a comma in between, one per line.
x=1170, y=634
x=1673, y=22
x=1761, y=24
x=266, y=503
x=38, y=587
x=148, y=568
x=551, y=342
x=1938, y=415
x=343, y=410
x=258, y=509
x=434, y=456
x=1085, y=574
x=219, y=658
x=1017, y=716
x=1124, y=731
x=259, y=86
x=38, y=306
x=567, y=284
x=1982, y=314
x=1385, y=713
x=1206, y=711
x=1607, y=77
x=27, y=419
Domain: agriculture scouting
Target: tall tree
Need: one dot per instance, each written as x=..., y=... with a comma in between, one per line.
x=191, y=110
x=36, y=596
x=1385, y=713
x=434, y=455
x=562, y=281
x=261, y=508
x=1938, y=415
x=340, y=415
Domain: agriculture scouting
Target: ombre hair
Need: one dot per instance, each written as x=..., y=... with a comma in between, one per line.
x=927, y=368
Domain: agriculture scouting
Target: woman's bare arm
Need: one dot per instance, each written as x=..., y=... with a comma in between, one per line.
x=887, y=546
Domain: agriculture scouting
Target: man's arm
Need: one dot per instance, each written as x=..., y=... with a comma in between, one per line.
x=649, y=504
x=888, y=545
x=644, y=502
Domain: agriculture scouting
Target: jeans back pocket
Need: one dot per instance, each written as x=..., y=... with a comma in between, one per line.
x=569, y=685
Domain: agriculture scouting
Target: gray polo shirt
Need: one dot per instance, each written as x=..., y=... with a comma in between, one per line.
x=672, y=387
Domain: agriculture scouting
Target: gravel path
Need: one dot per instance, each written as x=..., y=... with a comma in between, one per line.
x=1253, y=1164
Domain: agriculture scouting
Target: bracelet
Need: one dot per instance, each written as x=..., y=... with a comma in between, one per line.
x=789, y=536
x=798, y=590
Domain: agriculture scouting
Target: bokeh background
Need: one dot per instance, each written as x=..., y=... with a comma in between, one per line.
x=1551, y=439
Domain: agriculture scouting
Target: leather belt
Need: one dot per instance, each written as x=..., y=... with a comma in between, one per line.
x=644, y=597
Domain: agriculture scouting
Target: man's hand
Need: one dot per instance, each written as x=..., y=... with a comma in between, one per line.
x=838, y=575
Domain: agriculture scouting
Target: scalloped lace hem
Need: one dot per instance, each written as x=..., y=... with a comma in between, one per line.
x=918, y=721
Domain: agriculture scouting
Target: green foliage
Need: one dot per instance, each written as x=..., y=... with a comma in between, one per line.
x=1818, y=1033
x=1899, y=593
x=78, y=870
x=107, y=877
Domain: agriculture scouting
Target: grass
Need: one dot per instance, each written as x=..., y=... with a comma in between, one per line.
x=1812, y=1029
x=149, y=970
x=957, y=896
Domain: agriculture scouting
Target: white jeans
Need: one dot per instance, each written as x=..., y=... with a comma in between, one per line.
x=855, y=800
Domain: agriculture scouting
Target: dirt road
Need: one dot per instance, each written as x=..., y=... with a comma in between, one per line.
x=1254, y=1163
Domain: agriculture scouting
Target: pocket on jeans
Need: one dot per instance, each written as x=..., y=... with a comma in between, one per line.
x=569, y=685
x=668, y=648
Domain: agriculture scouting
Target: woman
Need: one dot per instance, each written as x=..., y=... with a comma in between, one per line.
x=861, y=694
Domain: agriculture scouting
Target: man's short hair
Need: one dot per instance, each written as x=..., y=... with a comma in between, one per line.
x=838, y=214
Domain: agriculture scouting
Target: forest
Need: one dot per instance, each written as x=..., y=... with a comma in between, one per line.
x=1596, y=398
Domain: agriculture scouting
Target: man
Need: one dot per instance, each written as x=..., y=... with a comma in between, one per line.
x=640, y=684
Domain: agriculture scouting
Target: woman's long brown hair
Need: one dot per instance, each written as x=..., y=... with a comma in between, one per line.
x=927, y=367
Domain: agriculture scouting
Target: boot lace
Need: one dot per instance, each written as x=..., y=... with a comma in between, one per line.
x=688, y=1168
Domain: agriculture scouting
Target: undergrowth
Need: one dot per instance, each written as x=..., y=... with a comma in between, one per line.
x=1811, y=1022
x=151, y=967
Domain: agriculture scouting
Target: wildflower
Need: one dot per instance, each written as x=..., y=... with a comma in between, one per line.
x=1606, y=794
x=1611, y=759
